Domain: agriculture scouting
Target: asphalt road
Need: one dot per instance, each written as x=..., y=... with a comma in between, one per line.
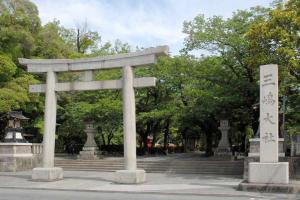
x=21, y=194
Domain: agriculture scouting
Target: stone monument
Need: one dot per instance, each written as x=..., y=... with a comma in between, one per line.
x=224, y=146
x=269, y=170
x=127, y=62
x=90, y=150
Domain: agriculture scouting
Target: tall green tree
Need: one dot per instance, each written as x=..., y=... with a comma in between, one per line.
x=234, y=76
x=14, y=90
x=276, y=40
x=19, y=23
x=50, y=44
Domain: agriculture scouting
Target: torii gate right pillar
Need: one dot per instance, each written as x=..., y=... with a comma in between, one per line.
x=130, y=175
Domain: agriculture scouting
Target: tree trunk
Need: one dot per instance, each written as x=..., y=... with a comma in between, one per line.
x=166, y=136
x=78, y=40
x=110, y=137
x=145, y=137
x=154, y=131
x=209, y=151
x=183, y=133
x=103, y=139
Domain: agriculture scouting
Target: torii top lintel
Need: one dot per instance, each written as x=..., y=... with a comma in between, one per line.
x=135, y=59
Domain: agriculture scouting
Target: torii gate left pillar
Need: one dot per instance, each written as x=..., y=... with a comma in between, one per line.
x=48, y=172
x=125, y=61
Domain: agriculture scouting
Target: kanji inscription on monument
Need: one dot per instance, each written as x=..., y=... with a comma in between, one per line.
x=269, y=113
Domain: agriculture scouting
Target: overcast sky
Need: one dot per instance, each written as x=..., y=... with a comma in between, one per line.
x=143, y=23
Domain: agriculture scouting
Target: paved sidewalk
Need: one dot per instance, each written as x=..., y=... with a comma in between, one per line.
x=179, y=184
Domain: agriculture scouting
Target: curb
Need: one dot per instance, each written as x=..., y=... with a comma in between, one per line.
x=135, y=192
x=269, y=188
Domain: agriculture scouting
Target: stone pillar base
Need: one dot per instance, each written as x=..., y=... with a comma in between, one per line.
x=269, y=173
x=47, y=174
x=130, y=177
x=15, y=157
x=255, y=147
x=89, y=155
x=223, y=153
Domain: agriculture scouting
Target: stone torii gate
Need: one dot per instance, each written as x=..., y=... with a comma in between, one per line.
x=125, y=61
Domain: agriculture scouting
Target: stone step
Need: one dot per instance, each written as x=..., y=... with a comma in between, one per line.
x=161, y=162
x=155, y=166
x=160, y=167
x=168, y=163
x=161, y=171
x=155, y=163
x=170, y=166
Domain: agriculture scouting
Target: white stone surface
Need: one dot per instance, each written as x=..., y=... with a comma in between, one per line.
x=255, y=146
x=89, y=155
x=87, y=76
x=90, y=151
x=257, y=154
x=269, y=170
x=271, y=173
x=224, y=140
x=139, y=58
x=130, y=176
x=47, y=174
x=269, y=113
x=50, y=121
x=13, y=150
x=224, y=146
x=14, y=144
x=93, y=85
x=16, y=155
x=129, y=119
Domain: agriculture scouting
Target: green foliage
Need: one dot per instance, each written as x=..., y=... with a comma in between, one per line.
x=19, y=22
x=276, y=40
x=226, y=38
x=108, y=116
x=226, y=82
x=249, y=132
x=50, y=44
x=241, y=44
x=7, y=69
x=13, y=90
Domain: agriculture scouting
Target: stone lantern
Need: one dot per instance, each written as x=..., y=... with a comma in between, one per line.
x=14, y=130
x=90, y=150
x=224, y=146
